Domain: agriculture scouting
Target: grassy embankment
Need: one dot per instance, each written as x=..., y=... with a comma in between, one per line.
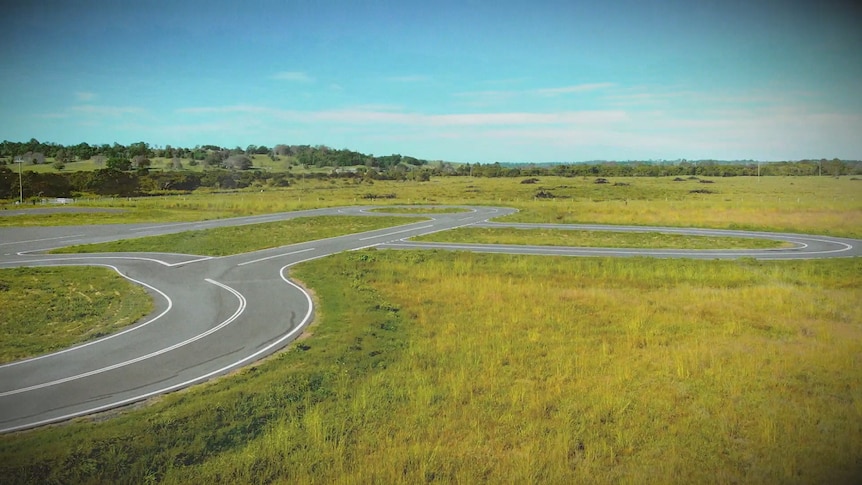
x=819, y=205
x=225, y=241
x=442, y=367
x=47, y=309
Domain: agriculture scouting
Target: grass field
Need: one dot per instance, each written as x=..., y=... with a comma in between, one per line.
x=820, y=205
x=442, y=367
x=458, y=367
x=47, y=309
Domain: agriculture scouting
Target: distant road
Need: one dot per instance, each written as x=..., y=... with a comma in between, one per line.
x=215, y=314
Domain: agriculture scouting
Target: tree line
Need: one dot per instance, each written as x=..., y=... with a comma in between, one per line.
x=140, y=154
x=706, y=168
x=128, y=171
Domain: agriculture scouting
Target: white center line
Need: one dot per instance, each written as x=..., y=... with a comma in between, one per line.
x=38, y=240
x=396, y=232
x=236, y=314
x=276, y=256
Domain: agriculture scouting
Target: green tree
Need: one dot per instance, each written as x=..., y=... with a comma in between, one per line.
x=118, y=163
x=63, y=156
x=139, y=149
x=237, y=162
x=141, y=162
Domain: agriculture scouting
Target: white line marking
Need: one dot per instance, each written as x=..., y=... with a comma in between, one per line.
x=43, y=239
x=253, y=356
x=396, y=232
x=365, y=247
x=538, y=250
x=175, y=224
x=174, y=387
x=276, y=256
x=236, y=314
x=202, y=258
x=80, y=258
x=114, y=335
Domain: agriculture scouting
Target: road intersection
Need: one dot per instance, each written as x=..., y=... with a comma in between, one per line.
x=216, y=314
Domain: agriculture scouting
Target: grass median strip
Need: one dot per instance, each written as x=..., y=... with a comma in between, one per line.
x=596, y=239
x=420, y=210
x=225, y=241
x=51, y=308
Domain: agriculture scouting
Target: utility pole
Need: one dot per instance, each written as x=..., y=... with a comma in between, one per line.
x=20, y=182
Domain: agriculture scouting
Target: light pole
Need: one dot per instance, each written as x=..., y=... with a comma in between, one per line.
x=20, y=182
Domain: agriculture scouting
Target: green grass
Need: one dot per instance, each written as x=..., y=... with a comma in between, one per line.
x=458, y=367
x=50, y=308
x=818, y=205
x=225, y=241
x=443, y=367
x=595, y=239
x=129, y=215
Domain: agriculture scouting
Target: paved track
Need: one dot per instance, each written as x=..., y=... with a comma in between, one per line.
x=216, y=314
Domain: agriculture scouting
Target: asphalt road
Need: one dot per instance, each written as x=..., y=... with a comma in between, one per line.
x=214, y=315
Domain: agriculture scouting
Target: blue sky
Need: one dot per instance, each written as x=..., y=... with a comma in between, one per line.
x=469, y=81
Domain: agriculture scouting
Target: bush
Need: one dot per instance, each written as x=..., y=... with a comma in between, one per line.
x=237, y=162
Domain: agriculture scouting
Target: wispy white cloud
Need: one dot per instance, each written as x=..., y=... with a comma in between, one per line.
x=375, y=114
x=577, y=88
x=768, y=132
x=498, y=96
x=485, y=99
x=701, y=101
x=299, y=76
x=92, y=114
x=85, y=96
x=526, y=118
x=239, y=108
x=376, y=107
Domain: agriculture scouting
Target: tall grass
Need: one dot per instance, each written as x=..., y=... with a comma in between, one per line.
x=533, y=370
x=442, y=367
x=821, y=205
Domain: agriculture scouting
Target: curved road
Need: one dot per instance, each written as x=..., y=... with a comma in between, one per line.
x=214, y=315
